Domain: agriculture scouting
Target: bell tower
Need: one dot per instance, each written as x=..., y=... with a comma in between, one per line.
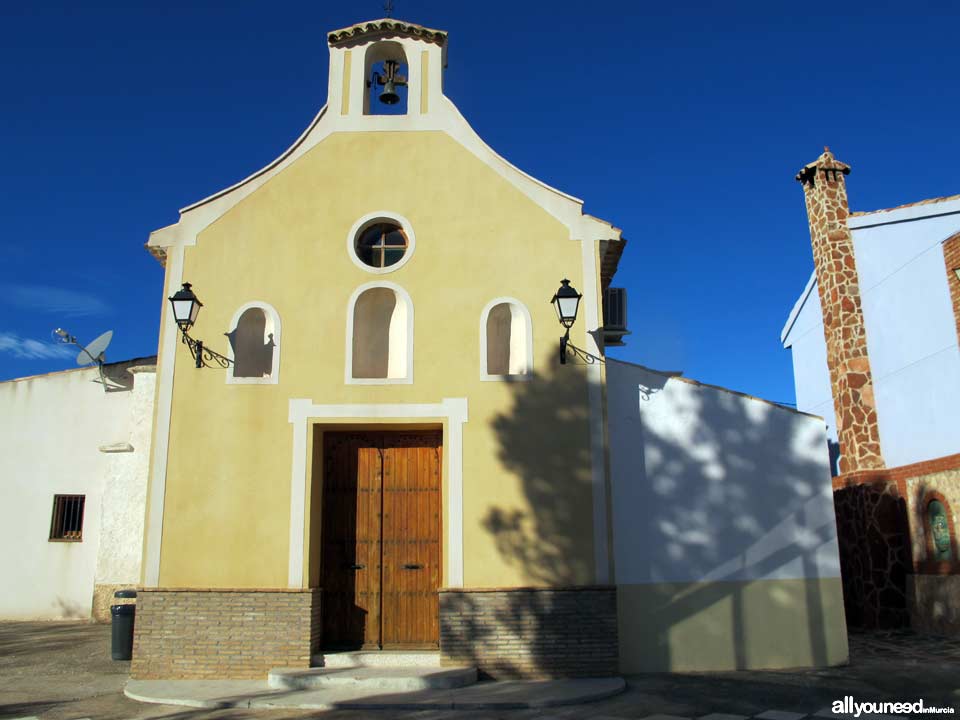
x=383, y=68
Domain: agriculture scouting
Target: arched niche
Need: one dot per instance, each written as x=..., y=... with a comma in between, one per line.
x=254, y=345
x=374, y=58
x=379, y=335
x=938, y=528
x=506, y=340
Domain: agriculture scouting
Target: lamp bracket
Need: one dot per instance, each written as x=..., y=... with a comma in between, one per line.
x=567, y=347
x=203, y=355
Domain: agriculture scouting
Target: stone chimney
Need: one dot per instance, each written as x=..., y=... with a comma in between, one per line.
x=852, y=382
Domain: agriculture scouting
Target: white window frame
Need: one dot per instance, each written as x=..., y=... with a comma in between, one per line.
x=272, y=317
x=402, y=296
x=366, y=221
x=528, y=327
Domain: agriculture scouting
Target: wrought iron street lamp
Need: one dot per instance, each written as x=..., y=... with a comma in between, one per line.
x=566, y=301
x=186, y=307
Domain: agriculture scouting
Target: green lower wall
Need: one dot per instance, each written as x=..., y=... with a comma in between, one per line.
x=710, y=626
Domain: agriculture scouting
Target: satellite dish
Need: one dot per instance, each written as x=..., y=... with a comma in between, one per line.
x=93, y=353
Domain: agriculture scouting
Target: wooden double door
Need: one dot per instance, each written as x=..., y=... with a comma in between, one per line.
x=380, y=559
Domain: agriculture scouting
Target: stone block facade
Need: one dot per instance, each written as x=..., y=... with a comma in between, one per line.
x=531, y=632
x=222, y=633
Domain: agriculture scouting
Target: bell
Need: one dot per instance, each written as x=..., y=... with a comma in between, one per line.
x=389, y=95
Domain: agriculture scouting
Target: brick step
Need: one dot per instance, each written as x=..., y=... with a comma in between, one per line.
x=377, y=658
x=397, y=679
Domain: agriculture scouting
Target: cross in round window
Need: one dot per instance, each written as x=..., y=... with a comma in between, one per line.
x=381, y=245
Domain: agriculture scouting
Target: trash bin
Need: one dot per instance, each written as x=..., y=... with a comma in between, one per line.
x=121, y=630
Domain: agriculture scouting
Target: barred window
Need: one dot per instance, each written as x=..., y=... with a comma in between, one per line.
x=67, y=521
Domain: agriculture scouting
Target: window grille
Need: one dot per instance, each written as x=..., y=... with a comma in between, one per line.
x=67, y=521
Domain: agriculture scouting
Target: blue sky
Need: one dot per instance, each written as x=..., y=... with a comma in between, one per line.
x=682, y=123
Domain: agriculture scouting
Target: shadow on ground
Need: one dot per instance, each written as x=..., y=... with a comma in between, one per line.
x=62, y=671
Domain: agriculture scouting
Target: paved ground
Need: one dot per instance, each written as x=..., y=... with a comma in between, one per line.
x=63, y=671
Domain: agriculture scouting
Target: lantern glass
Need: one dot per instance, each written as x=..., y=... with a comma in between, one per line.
x=568, y=308
x=566, y=302
x=186, y=307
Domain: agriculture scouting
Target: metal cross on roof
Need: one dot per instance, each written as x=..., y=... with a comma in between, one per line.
x=388, y=8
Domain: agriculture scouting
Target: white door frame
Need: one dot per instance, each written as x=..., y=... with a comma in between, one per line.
x=453, y=410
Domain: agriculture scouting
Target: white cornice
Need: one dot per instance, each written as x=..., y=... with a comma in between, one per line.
x=920, y=211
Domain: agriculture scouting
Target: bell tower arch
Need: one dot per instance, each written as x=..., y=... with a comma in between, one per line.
x=360, y=67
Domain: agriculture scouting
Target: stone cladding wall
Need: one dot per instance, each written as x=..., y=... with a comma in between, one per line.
x=844, y=331
x=874, y=553
x=951, y=258
x=883, y=543
x=223, y=634
x=531, y=632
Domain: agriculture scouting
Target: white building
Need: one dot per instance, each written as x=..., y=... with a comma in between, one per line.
x=73, y=463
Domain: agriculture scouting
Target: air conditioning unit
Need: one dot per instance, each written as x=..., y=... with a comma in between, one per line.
x=614, y=316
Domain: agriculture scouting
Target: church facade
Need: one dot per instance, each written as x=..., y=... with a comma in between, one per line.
x=395, y=458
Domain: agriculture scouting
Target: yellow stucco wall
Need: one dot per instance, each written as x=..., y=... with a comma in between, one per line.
x=526, y=457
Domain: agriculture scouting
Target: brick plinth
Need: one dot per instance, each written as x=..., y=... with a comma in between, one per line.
x=223, y=634
x=843, y=328
x=531, y=632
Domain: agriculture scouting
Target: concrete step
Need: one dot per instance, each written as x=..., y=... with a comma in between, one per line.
x=395, y=679
x=377, y=658
x=510, y=695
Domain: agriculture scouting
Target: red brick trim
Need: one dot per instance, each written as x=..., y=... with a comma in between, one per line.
x=927, y=567
x=898, y=474
x=951, y=258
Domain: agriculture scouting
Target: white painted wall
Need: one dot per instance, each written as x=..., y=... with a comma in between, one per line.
x=708, y=484
x=811, y=376
x=911, y=335
x=124, y=494
x=51, y=430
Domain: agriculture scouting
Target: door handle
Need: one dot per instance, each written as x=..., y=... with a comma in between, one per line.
x=355, y=566
x=412, y=566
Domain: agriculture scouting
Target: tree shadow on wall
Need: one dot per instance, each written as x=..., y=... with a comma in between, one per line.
x=729, y=499
x=543, y=441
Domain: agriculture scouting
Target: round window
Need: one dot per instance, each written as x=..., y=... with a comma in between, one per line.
x=381, y=244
